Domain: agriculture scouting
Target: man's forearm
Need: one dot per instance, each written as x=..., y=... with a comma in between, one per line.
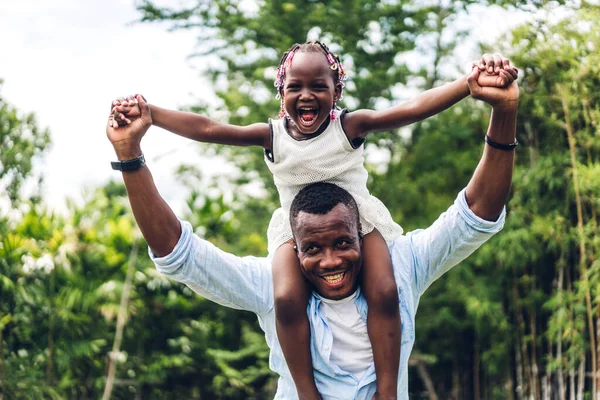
x=488, y=190
x=156, y=220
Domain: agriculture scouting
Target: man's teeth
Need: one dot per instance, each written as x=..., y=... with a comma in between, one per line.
x=334, y=278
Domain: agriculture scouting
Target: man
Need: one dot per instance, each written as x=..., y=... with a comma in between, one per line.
x=326, y=232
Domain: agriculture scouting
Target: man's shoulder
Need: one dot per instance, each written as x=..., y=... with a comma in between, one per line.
x=401, y=252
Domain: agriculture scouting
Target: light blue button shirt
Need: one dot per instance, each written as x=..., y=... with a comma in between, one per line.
x=246, y=283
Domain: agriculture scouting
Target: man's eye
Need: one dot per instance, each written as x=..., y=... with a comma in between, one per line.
x=311, y=249
x=343, y=244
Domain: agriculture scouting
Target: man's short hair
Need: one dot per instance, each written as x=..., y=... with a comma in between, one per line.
x=320, y=198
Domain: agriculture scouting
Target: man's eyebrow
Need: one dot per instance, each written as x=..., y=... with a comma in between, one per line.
x=306, y=243
x=349, y=238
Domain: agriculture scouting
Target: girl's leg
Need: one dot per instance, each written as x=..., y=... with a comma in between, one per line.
x=383, y=319
x=291, y=298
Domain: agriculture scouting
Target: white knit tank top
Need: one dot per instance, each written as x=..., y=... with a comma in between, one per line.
x=328, y=157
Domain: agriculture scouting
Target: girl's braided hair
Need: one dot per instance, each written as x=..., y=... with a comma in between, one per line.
x=339, y=76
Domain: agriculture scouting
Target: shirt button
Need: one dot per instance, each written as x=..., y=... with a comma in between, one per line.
x=325, y=347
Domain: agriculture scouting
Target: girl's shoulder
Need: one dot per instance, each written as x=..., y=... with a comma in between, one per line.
x=355, y=124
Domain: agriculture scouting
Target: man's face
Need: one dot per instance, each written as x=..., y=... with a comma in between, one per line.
x=329, y=250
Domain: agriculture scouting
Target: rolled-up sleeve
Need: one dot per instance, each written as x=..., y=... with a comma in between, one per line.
x=455, y=235
x=238, y=282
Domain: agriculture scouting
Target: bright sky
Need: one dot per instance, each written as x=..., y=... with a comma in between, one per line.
x=66, y=60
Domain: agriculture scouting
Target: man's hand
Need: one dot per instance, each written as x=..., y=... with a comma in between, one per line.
x=126, y=139
x=501, y=99
x=496, y=71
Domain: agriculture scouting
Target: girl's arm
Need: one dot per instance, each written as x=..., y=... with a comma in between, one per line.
x=361, y=122
x=203, y=129
x=194, y=126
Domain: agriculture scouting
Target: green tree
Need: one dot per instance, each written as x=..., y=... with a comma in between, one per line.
x=21, y=140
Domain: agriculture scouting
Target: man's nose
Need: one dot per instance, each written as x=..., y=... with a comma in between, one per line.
x=330, y=259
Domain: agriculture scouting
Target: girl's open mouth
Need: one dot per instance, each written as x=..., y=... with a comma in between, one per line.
x=308, y=115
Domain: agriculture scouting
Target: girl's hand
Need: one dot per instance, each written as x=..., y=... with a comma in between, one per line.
x=501, y=99
x=125, y=109
x=496, y=71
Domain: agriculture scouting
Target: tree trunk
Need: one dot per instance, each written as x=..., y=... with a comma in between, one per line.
x=535, y=389
x=455, y=378
x=519, y=362
x=572, y=356
x=572, y=383
x=545, y=388
x=559, y=375
x=581, y=385
x=547, y=379
x=2, y=372
x=50, y=363
x=509, y=386
x=121, y=318
x=422, y=369
x=527, y=387
x=421, y=364
x=476, y=390
x=598, y=357
x=582, y=264
x=51, y=322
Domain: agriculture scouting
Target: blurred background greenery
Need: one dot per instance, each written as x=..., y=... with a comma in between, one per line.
x=82, y=305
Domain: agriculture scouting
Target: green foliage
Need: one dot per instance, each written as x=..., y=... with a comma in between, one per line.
x=21, y=141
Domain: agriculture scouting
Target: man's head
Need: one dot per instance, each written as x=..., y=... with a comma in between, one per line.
x=326, y=228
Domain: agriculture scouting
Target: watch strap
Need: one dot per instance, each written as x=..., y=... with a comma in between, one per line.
x=501, y=146
x=129, y=165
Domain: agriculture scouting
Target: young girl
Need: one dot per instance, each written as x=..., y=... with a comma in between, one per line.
x=313, y=140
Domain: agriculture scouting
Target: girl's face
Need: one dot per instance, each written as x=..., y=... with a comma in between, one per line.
x=309, y=92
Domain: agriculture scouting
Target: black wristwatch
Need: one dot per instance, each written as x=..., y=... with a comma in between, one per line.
x=129, y=165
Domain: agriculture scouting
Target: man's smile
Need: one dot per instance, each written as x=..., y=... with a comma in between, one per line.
x=334, y=280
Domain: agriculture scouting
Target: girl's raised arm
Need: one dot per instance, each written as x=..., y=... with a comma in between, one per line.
x=195, y=126
x=433, y=101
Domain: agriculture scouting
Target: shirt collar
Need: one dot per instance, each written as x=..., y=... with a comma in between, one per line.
x=345, y=300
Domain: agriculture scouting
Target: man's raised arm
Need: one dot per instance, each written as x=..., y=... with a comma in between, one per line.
x=487, y=192
x=477, y=212
x=156, y=220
